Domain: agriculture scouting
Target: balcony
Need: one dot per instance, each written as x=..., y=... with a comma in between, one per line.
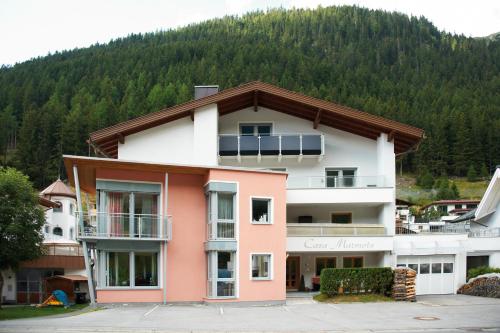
x=279, y=145
x=333, y=230
x=103, y=225
x=319, y=182
x=420, y=229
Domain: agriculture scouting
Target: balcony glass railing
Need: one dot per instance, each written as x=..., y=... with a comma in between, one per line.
x=271, y=145
x=332, y=230
x=302, y=182
x=124, y=225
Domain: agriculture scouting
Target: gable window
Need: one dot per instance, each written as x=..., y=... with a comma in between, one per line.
x=340, y=177
x=343, y=218
x=57, y=231
x=58, y=208
x=261, y=210
x=262, y=129
x=261, y=266
x=353, y=262
x=325, y=262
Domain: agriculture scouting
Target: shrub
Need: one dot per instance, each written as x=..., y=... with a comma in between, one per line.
x=356, y=280
x=473, y=272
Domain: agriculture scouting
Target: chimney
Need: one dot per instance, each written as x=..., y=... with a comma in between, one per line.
x=204, y=91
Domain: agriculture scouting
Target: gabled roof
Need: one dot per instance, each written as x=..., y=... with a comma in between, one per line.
x=451, y=202
x=58, y=189
x=255, y=94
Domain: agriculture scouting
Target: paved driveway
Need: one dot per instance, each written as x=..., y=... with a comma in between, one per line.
x=454, y=313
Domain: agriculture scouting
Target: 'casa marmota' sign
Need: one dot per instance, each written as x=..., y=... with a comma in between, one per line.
x=338, y=244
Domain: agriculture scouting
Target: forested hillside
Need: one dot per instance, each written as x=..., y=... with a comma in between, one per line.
x=384, y=63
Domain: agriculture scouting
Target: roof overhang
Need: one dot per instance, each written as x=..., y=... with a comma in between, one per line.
x=491, y=198
x=254, y=94
x=87, y=167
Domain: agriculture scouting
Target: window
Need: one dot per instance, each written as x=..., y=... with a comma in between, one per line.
x=58, y=208
x=261, y=210
x=340, y=177
x=414, y=267
x=471, y=206
x=264, y=129
x=424, y=268
x=71, y=209
x=443, y=209
x=447, y=267
x=353, y=262
x=436, y=268
x=141, y=267
x=401, y=265
x=458, y=206
x=118, y=269
x=70, y=233
x=325, y=262
x=146, y=269
x=261, y=266
x=57, y=231
x=46, y=229
x=225, y=215
x=221, y=277
x=342, y=218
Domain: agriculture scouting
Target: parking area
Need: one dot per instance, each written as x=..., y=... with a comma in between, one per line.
x=451, y=313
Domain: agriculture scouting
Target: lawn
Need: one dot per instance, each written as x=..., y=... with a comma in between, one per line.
x=355, y=298
x=26, y=311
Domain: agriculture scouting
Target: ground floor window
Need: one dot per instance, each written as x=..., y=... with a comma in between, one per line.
x=131, y=269
x=221, y=273
x=352, y=262
x=325, y=262
x=261, y=266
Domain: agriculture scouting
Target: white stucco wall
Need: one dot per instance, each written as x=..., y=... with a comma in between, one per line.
x=322, y=213
x=65, y=220
x=205, y=135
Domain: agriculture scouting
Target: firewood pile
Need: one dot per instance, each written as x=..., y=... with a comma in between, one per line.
x=403, y=288
x=487, y=285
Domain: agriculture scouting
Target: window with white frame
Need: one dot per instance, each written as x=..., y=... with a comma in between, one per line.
x=131, y=269
x=261, y=266
x=262, y=210
x=221, y=215
x=344, y=177
x=221, y=274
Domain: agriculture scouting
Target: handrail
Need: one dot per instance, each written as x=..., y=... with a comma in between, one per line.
x=334, y=229
x=125, y=225
x=318, y=182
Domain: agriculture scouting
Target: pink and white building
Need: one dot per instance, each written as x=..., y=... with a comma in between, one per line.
x=237, y=195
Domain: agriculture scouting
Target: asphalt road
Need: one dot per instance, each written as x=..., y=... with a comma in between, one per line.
x=443, y=314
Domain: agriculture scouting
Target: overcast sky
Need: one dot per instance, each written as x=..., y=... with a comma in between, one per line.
x=31, y=28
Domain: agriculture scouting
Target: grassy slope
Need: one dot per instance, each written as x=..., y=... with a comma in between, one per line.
x=18, y=312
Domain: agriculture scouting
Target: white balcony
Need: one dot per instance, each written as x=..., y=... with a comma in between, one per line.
x=103, y=225
x=332, y=229
x=326, y=189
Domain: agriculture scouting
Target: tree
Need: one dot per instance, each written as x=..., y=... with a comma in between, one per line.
x=471, y=174
x=21, y=221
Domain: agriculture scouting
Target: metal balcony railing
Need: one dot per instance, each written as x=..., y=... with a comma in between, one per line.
x=124, y=225
x=448, y=228
x=272, y=145
x=486, y=232
x=332, y=230
x=318, y=182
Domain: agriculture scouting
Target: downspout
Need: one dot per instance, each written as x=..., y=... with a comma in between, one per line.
x=90, y=280
x=166, y=230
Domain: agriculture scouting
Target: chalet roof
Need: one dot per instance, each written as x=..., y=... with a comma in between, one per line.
x=256, y=94
x=451, y=202
x=57, y=189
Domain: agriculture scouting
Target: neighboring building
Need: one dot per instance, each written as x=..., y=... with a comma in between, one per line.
x=450, y=209
x=64, y=254
x=340, y=199
x=484, y=224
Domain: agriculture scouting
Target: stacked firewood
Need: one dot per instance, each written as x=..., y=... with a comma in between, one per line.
x=403, y=288
x=487, y=285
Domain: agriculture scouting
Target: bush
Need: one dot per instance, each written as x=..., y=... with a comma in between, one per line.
x=356, y=280
x=473, y=272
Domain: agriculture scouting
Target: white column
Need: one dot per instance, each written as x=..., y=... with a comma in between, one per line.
x=205, y=135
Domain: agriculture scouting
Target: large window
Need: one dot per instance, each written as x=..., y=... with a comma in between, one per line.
x=352, y=262
x=261, y=266
x=325, y=262
x=131, y=269
x=118, y=269
x=340, y=177
x=263, y=129
x=262, y=210
x=221, y=274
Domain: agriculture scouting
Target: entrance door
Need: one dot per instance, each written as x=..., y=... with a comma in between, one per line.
x=292, y=272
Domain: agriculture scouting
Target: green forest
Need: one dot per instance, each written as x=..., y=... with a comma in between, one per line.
x=388, y=64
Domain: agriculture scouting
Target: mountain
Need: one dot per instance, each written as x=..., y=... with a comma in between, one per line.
x=384, y=63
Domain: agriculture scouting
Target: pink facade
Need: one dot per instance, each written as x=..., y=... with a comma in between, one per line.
x=184, y=271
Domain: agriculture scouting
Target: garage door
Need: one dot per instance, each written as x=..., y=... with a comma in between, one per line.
x=435, y=274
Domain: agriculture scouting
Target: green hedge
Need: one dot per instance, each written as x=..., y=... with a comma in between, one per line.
x=473, y=272
x=356, y=280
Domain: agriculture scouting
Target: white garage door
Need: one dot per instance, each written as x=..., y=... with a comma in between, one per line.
x=435, y=274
